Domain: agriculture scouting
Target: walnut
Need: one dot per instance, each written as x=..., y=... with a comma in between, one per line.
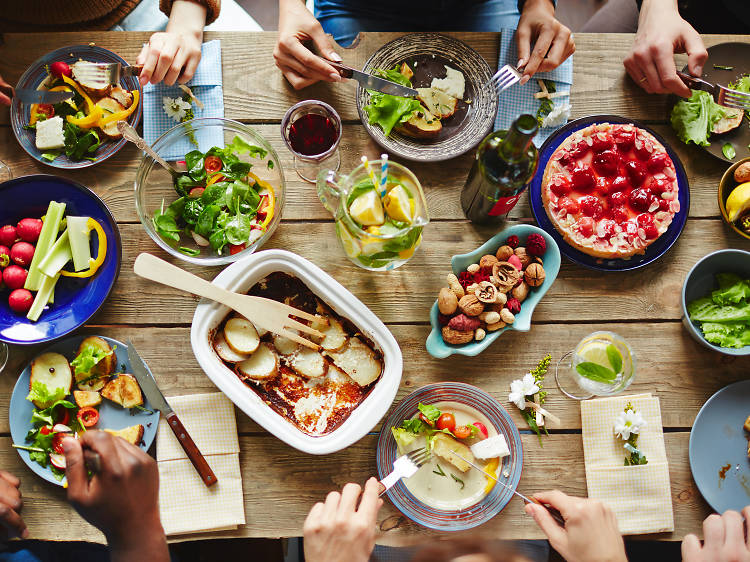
x=494, y=327
x=523, y=256
x=507, y=316
x=470, y=305
x=486, y=292
x=520, y=291
x=463, y=323
x=447, y=301
x=455, y=286
x=505, y=276
x=503, y=253
x=473, y=268
x=487, y=261
x=479, y=334
x=490, y=317
x=534, y=275
x=455, y=337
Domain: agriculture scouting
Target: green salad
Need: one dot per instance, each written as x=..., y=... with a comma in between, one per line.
x=724, y=315
x=389, y=111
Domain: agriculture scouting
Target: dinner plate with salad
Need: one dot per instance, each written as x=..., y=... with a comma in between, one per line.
x=75, y=385
x=81, y=131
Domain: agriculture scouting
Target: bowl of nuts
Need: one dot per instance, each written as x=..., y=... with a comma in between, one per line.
x=492, y=289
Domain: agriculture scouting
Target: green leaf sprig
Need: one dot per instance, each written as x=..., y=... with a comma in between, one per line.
x=600, y=373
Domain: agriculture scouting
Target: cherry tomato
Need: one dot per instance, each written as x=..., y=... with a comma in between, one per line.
x=462, y=431
x=446, y=421
x=196, y=192
x=482, y=429
x=212, y=164
x=88, y=416
x=426, y=420
x=236, y=248
x=62, y=415
x=57, y=442
x=46, y=430
x=46, y=109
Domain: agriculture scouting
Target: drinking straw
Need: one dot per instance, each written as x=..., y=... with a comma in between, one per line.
x=366, y=162
x=383, y=173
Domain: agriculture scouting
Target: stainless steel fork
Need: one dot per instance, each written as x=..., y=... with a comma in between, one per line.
x=104, y=73
x=504, y=78
x=405, y=467
x=723, y=95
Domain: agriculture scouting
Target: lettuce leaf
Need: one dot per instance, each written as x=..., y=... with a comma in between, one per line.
x=733, y=294
x=430, y=411
x=403, y=437
x=387, y=110
x=693, y=119
x=89, y=358
x=741, y=85
x=705, y=310
x=729, y=334
x=42, y=395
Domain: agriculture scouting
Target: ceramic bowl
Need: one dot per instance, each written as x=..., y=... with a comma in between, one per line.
x=726, y=185
x=435, y=344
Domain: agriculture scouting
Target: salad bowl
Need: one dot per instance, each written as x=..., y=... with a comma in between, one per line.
x=435, y=344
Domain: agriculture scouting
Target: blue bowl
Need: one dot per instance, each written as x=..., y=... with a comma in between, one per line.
x=701, y=280
x=76, y=300
x=435, y=344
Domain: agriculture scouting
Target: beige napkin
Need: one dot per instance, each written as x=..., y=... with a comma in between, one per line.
x=185, y=503
x=641, y=495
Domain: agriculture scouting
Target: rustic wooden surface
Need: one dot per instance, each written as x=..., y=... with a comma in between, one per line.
x=280, y=483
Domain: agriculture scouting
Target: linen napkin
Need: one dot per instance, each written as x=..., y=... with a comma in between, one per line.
x=206, y=85
x=640, y=495
x=520, y=99
x=186, y=505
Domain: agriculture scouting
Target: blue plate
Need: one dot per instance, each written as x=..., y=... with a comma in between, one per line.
x=111, y=416
x=76, y=300
x=435, y=344
x=36, y=74
x=655, y=250
x=719, y=444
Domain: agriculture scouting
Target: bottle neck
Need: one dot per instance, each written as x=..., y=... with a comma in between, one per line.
x=516, y=142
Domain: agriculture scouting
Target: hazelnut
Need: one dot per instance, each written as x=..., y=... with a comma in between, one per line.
x=447, y=301
x=501, y=299
x=494, y=327
x=470, y=305
x=455, y=337
x=490, y=317
x=463, y=323
x=505, y=276
x=534, y=275
x=473, y=268
x=503, y=253
x=487, y=261
x=479, y=334
x=520, y=291
x=507, y=316
x=455, y=286
x=486, y=292
x=523, y=256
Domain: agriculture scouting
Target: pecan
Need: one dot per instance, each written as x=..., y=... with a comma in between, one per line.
x=534, y=275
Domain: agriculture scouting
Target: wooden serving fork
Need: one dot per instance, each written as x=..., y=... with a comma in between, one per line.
x=271, y=315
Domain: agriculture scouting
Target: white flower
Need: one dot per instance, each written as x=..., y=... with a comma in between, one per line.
x=520, y=389
x=175, y=108
x=629, y=422
x=558, y=116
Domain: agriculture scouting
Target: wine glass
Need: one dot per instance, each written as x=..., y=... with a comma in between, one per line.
x=311, y=130
x=5, y=175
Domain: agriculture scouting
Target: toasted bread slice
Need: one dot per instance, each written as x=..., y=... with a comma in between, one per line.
x=422, y=125
x=124, y=390
x=446, y=447
x=437, y=102
x=406, y=71
x=747, y=424
x=132, y=434
x=731, y=120
x=241, y=335
x=226, y=353
x=283, y=345
x=309, y=363
x=53, y=371
x=261, y=365
x=358, y=361
x=121, y=96
x=87, y=398
x=335, y=336
x=102, y=370
x=94, y=89
x=109, y=106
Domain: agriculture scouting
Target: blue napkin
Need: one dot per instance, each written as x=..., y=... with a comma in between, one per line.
x=520, y=99
x=206, y=85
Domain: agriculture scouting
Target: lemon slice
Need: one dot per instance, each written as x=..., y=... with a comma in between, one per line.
x=350, y=244
x=398, y=204
x=367, y=209
x=595, y=352
x=738, y=201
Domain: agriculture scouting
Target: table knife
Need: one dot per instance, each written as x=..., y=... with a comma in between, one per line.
x=29, y=95
x=158, y=402
x=556, y=515
x=370, y=82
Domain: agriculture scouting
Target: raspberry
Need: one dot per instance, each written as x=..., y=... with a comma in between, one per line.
x=585, y=226
x=617, y=199
x=443, y=319
x=536, y=245
x=619, y=215
x=481, y=275
x=514, y=305
x=651, y=231
x=513, y=241
x=465, y=279
x=643, y=219
x=591, y=206
x=663, y=205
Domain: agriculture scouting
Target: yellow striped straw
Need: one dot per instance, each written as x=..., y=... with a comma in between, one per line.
x=370, y=173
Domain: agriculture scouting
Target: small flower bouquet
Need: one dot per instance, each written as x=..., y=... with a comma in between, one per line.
x=181, y=109
x=528, y=396
x=628, y=426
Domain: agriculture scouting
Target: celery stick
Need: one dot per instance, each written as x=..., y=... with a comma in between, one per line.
x=52, y=296
x=78, y=232
x=57, y=257
x=47, y=237
x=42, y=297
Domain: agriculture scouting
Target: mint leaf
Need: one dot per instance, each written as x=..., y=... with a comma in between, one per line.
x=595, y=372
x=615, y=358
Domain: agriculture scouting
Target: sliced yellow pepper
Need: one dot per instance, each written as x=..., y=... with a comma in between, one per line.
x=88, y=122
x=68, y=80
x=94, y=264
x=215, y=178
x=491, y=470
x=121, y=115
x=271, y=198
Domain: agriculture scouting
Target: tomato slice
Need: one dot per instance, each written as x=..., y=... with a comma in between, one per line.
x=462, y=432
x=88, y=416
x=46, y=430
x=212, y=164
x=446, y=421
x=482, y=429
x=46, y=109
x=426, y=420
x=57, y=442
x=236, y=248
x=62, y=415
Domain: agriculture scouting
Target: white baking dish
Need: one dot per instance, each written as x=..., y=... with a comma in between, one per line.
x=242, y=275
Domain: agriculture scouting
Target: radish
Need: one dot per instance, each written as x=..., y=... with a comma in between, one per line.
x=61, y=428
x=196, y=192
x=20, y=301
x=22, y=253
x=8, y=235
x=4, y=256
x=199, y=239
x=57, y=460
x=58, y=69
x=14, y=276
x=29, y=229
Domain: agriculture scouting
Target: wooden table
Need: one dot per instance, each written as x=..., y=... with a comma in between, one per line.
x=280, y=483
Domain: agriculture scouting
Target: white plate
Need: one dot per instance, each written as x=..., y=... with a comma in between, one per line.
x=240, y=277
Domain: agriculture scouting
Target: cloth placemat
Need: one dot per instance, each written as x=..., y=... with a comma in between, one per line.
x=641, y=495
x=206, y=85
x=520, y=99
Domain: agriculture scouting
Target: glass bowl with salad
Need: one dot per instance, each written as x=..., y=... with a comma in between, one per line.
x=225, y=199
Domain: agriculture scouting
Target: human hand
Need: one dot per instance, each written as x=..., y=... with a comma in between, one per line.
x=661, y=34
x=10, y=506
x=174, y=54
x=6, y=92
x=298, y=64
x=122, y=498
x=553, y=42
x=590, y=533
x=723, y=539
x=336, y=531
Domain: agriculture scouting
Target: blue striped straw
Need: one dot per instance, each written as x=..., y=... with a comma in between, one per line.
x=383, y=173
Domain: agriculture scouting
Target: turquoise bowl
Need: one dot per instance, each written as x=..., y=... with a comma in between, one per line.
x=435, y=344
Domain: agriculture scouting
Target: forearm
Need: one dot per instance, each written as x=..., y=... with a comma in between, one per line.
x=530, y=4
x=187, y=17
x=150, y=545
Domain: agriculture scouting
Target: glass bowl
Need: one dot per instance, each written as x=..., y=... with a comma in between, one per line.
x=153, y=184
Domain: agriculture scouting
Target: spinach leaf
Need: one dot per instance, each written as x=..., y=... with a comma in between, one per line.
x=218, y=240
x=238, y=228
x=241, y=197
x=194, y=163
x=189, y=251
x=215, y=193
x=176, y=208
x=205, y=224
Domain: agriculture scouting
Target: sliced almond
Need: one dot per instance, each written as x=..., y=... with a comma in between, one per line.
x=358, y=361
x=226, y=353
x=261, y=365
x=309, y=363
x=335, y=336
x=241, y=335
x=283, y=345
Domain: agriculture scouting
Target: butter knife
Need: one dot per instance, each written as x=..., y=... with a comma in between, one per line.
x=29, y=95
x=370, y=82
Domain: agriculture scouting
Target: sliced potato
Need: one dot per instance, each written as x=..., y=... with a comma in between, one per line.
x=446, y=447
x=121, y=96
x=335, y=336
x=95, y=89
x=124, y=390
x=283, y=345
x=437, y=102
x=102, y=370
x=87, y=398
x=241, y=335
x=109, y=106
x=406, y=71
x=421, y=125
x=261, y=365
x=358, y=361
x=309, y=363
x=731, y=120
x=53, y=371
x=132, y=434
x=226, y=353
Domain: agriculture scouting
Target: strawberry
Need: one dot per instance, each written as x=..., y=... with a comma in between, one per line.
x=619, y=214
x=585, y=226
x=600, y=145
x=657, y=162
x=606, y=229
x=620, y=183
x=645, y=150
x=644, y=219
x=624, y=139
x=651, y=231
x=640, y=200
x=560, y=186
x=570, y=206
x=591, y=206
x=630, y=227
x=663, y=205
x=582, y=179
x=580, y=150
x=617, y=199
x=603, y=186
x=606, y=163
x=636, y=172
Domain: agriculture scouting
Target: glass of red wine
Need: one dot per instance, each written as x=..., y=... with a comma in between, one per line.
x=311, y=130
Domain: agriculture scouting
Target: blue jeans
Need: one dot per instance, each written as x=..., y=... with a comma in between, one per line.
x=345, y=18
x=48, y=551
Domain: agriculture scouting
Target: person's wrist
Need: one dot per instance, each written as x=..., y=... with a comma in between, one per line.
x=187, y=17
x=548, y=6
x=140, y=529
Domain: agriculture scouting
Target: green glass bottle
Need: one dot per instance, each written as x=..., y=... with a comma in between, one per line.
x=504, y=165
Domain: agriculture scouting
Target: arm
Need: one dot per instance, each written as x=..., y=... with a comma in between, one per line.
x=553, y=42
x=174, y=54
x=121, y=500
x=6, y=92
x=723, y=539
x=11, y=524
x=661, y=34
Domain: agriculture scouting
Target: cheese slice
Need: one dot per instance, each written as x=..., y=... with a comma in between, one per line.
x=490, y=448
x=454, y=83
x=49, y=133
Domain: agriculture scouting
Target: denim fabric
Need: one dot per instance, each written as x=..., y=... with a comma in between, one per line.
x=47, y=551
x=345, y=18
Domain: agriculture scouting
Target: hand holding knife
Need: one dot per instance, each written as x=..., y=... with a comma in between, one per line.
x=371, y=82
